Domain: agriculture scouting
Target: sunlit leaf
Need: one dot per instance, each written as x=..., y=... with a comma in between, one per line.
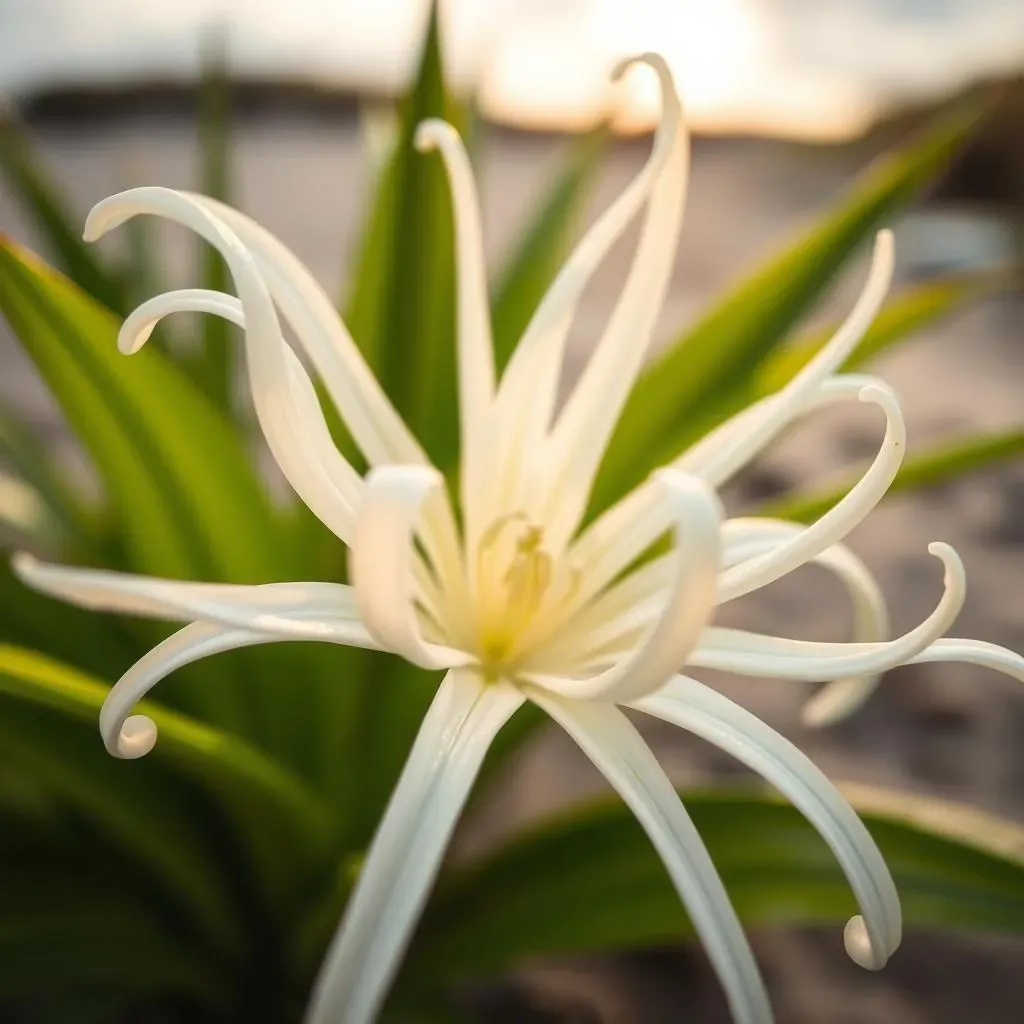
x=400, y=309
x=947, y=461
x=543, y=244
x=911, y=311
x=678, y=397
x=592, y=881
x=59, y=228
x=215, y=152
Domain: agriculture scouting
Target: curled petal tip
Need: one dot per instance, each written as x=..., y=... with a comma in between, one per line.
x=136, y=738
x=859, y=947
x=23, y=564
x=96, y=225
x=432, y=133
x=651, y=58
x=134, y=333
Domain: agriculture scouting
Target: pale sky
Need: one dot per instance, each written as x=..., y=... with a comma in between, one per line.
x=801, y=67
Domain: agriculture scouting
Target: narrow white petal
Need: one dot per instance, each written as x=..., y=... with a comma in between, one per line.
x=407, y=850
x=374, y=423
x=697, y=514
x=311, y=611
x=529, y=386
x=735, y=650
x=617, y=750
x=384, y=559
x=699, y=709
x=972, y=652
x=581, y=433
x=272, y=376
x=625, y=531
x=839, y=520
x=730, y=449
x=702, y=459
x=361, y=402
x=475, y=342
x=306, y=453
x=130, y=736
x=751, y=538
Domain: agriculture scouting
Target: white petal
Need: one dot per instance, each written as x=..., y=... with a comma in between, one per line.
x=312, y=611
x=272, y=375
x=663, y=650
x=972, y=652
x=625, y=531
x=839, y=520
x=750, y=538
x=615, y=747
x=735, y=650
x=304, y=449
x=368, y=414
x=699, y=709
x=529, y=386
x=407, y=850
x=384, y=559
x=475, y=343
x=130, y=736
x=581, y=433
x=732, y=447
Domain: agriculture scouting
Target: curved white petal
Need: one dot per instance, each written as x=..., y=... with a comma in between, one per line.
x=408, y=848
x=317, y=471
x=361, y=402
x=839, y=520
x=657, y=656
x=751, y=538
x=312, y=611
x=604, y=630
x=735, y=650
x=871, y=938
x=626, y=530
x=384, y=559
x=272, y=376
x=617, y=750
x=734, y=445
x=529, y=386
x=374, y=423
x=475, y=342
x=972, y=652
x=581, y=433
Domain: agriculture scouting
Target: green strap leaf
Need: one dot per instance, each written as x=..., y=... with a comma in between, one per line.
x=591, y=881
x=401, y=306
x=285, y=822
x=543, y=245
x=23, y=451
x=947, y=461
x=177, y=474
x=62, y=232
x=676, y=399
x=911, y=311
x=219, y=352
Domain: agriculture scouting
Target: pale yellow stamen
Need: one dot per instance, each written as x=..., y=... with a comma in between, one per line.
x=512, y=581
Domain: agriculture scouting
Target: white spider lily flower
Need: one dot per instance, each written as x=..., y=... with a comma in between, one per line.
x=519, y=603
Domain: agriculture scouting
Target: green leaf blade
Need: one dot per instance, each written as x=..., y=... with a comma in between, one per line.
x=943, y=463
x=676, y=400
x=591, y=881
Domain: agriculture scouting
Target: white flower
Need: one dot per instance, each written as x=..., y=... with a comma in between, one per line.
x=518, y=604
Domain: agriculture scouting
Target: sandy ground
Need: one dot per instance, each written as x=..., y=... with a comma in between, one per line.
x=949, y=731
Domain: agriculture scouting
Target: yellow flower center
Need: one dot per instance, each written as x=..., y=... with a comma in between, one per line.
x=514, y=574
